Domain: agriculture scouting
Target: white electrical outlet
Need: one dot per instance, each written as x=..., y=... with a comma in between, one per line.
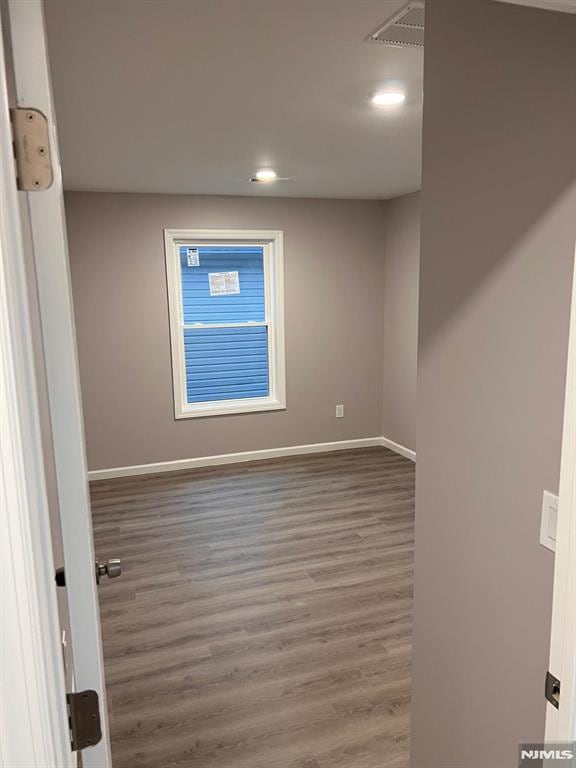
x=339, y=411
x=549, y=520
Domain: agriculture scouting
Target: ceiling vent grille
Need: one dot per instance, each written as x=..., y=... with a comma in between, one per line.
x=404, y=30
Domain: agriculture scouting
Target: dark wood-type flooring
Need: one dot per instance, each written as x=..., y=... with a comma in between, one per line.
x=263, y=619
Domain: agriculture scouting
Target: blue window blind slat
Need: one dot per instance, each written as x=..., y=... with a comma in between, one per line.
x=225, y=363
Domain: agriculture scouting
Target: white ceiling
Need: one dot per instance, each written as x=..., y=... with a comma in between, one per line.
x=192, y=96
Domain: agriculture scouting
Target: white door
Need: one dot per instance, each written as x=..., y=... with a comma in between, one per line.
x=561, y=716
x=39, y=217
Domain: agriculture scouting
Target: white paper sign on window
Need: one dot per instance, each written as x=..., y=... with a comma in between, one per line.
x=224, y=283
x=193, y=257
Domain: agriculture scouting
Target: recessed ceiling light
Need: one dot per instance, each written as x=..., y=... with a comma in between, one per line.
x=266, y=174
x=388, y=98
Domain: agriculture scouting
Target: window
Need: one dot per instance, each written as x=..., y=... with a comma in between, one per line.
x=225, y=292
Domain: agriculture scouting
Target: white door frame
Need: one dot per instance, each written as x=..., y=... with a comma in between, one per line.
x=561, y=722
x=43, y=235
x=33, y=718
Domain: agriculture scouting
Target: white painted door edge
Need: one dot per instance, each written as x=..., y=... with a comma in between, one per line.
x=33, y=719
x=50, y=250
x=235, y=458
x=561, y=723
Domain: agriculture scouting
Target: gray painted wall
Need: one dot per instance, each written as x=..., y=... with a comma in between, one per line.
x=402, y=264
x=498, y=233
x=334, y=323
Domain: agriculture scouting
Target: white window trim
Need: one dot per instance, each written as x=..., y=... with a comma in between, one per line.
x=272, y=240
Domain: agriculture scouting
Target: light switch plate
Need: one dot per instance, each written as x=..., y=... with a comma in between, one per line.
x=549, y=520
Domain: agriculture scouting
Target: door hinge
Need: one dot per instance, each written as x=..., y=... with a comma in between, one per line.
x=84, y=719
x=31, y=141
x=552, y=690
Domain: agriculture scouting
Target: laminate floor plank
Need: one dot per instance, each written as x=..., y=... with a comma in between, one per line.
x=264, y=615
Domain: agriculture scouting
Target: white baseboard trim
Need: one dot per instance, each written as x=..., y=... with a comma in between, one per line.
x=234, y=458
x=397, y=448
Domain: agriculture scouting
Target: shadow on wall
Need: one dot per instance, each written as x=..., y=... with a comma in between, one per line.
x=510, y=125
x=498, y=235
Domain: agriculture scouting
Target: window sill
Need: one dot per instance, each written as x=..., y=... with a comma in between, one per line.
x=229, y=408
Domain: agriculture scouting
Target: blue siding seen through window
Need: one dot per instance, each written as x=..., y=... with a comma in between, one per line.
x=224, y=363
x=248, y=305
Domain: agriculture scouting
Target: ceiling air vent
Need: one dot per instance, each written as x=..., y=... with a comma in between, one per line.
x=404, y=30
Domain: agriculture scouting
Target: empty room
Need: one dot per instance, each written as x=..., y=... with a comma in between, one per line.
x=287, y=383
x=243, y=227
